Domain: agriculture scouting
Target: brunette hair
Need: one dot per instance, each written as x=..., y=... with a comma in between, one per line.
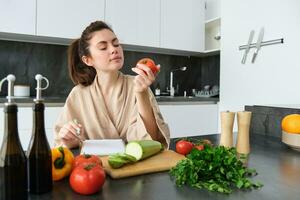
x=79, y=72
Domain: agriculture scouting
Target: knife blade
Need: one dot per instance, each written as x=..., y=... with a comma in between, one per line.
x=248, y=47
x=258, y=43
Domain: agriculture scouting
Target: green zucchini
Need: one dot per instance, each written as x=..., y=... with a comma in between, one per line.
x=119, y=159
x=143, y=149
x=116, y=162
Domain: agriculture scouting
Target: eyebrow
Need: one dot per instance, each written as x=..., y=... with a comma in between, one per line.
x=105, y=42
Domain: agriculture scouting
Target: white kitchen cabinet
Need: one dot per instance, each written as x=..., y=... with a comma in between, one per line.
x=182, y=25
x=68, y=18
x=191, y=120
x=136, y=22
x=17, y=16
x=212, y=25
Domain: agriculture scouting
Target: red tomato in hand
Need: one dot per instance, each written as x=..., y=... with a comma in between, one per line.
x=86, y=159
x=184, y=147
x=149, y=63
x=87, y=179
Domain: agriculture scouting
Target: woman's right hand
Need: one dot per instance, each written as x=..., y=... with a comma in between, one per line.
x=69, y=132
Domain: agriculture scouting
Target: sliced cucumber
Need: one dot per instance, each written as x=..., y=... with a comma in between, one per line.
x=116, y=162
x=126, y=156
x=143, y=149
x=119, y=159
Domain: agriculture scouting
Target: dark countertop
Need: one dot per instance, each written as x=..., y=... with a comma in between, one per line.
x=278, y=169
x=162, y=100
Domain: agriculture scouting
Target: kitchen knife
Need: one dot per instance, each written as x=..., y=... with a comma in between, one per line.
x=258, y=43
x=248, y=47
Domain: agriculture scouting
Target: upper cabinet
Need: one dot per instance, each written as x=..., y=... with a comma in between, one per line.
x=136, y=22
x=68, y=18
x=212, y=26
x=212, y=9
x=17, y=16
x=182, y=25
x=145, y=25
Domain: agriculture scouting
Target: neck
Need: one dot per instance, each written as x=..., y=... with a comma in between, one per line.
x=107, y=80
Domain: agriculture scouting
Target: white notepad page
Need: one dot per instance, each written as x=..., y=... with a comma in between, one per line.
x=103, y=147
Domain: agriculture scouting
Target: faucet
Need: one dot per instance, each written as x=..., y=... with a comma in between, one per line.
x=172, y=89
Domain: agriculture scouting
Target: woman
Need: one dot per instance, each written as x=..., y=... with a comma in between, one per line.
x=106, y=103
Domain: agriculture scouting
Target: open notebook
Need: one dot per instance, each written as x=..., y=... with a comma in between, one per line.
x=103, y=147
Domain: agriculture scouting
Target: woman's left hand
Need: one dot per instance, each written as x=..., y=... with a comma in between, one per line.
x=144, y=78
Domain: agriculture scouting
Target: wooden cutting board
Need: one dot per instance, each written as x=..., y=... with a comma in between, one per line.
x=157, y=163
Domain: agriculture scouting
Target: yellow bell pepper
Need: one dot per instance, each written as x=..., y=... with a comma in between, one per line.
x=62, y=162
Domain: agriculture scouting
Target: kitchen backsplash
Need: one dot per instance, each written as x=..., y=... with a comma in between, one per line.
x=27, y=59
x=266, y=120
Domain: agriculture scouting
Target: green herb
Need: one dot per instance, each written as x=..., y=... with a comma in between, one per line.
x=214, y=168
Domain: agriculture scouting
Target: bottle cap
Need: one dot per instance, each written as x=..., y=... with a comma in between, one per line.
x=10, y=89
x=39, y=87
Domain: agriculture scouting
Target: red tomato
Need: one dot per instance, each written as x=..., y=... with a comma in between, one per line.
x=199, y=147
x=149, y=63
x=86, y=159
x=87, y=179
x=184, y=147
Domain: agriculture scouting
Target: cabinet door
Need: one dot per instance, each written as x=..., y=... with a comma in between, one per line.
x=191, y=120
x=68, y=18
x=182, y=25
x=135, y=22
x=17, y=16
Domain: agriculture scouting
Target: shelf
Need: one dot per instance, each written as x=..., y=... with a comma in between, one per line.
x=212, y=52
x=212, y=29
x=213, y=22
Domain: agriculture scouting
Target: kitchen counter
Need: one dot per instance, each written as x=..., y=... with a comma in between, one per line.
x=278, y=169
x=162, y=100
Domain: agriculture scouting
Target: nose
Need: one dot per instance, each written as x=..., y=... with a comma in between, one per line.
x=114, y=50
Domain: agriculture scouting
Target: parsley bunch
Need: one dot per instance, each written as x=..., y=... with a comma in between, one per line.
x=214, y=168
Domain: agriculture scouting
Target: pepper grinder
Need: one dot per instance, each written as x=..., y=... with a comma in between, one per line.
x=227, y=120
x=243, y=144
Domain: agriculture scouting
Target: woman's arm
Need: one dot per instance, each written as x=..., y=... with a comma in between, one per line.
x=146, y=113
x=142, y=82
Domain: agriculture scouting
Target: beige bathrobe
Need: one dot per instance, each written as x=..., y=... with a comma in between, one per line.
x=86, y=104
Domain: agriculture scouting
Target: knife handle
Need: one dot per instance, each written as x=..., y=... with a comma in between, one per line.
x=254, y=57
x=244, y=57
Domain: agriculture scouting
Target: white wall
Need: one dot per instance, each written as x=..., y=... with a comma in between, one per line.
x=212, y=9
x=275, y=76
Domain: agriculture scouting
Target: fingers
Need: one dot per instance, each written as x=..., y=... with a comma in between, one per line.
x=158, y=67
x=144, y=71
x=69, y=130
x=140, y=85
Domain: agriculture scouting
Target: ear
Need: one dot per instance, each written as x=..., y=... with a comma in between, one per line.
x=87, y=60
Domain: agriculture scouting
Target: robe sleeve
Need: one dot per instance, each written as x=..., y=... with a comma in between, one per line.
x=137, y=129
x=68, y=113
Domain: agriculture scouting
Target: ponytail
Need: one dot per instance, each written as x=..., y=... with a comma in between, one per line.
x=79, y=72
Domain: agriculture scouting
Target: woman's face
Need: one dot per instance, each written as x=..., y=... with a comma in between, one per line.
x=106, y=53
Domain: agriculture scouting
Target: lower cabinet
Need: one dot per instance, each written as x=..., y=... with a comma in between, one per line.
x=25, y=120
x=183, y=120
x=191, y=120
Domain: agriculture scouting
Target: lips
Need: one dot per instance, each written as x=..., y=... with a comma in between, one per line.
x=116, y=58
